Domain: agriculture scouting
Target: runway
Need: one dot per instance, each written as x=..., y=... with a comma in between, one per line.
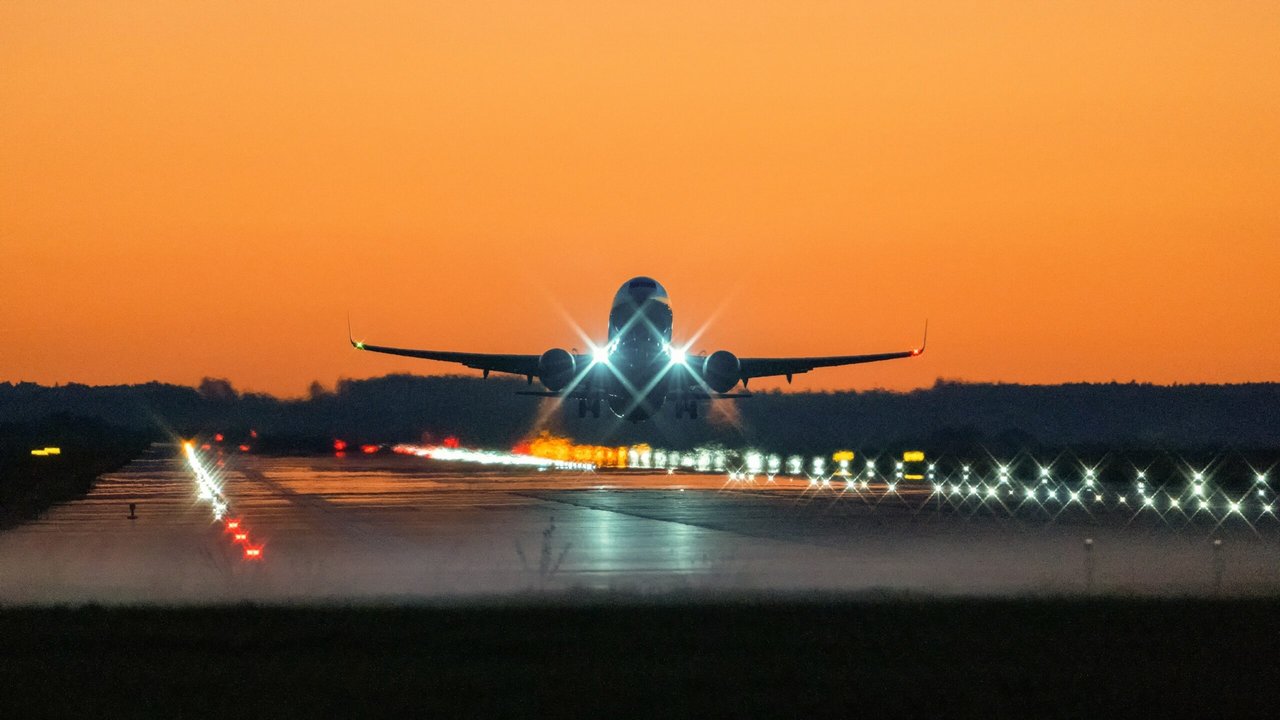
x=405, y=528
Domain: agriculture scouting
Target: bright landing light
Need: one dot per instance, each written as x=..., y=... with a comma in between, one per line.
x=600, y=354
x=678, y=355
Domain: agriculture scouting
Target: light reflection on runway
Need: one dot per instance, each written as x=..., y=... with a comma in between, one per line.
x=394, y=527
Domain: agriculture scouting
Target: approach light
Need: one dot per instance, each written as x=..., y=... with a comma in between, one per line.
x=1234, y=507
x=1204, y=505
x=1148, y=501
x=1173, y=503
x=1261, y=477
x=1031, y=493
x=1075, y=496
x=891, y=487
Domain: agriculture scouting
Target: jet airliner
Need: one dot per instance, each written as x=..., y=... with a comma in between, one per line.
x=639, y=370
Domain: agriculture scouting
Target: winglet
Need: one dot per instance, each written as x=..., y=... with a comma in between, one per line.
x=924, y=342
x=354, y=343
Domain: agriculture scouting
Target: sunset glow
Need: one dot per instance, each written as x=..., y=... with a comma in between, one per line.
x=1067, y=192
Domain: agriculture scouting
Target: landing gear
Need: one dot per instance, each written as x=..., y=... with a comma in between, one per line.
x=689, y=407
x=593, y=405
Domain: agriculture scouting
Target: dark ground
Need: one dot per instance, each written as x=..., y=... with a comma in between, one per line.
x=780, y=657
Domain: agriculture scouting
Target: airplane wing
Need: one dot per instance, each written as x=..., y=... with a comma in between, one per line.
x=526, y=365
x=764, y=367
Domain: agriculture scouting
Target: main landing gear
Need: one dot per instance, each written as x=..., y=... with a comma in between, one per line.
x=592, y=405
x=687, y=407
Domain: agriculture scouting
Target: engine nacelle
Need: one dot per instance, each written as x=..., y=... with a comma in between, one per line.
x=556, y=369
x=722, y=371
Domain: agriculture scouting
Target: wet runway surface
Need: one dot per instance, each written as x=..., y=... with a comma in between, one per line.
x=393, y=527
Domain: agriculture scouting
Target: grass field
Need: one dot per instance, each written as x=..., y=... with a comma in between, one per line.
x=779, y=657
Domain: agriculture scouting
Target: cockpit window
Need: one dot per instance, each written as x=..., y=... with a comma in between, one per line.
x=643, y=283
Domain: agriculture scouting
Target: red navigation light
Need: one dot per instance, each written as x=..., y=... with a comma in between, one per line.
x=369, y=449
x=451, y=441
x=242, y=537
x=339, y=445
x=218, y=437
x=253, y=553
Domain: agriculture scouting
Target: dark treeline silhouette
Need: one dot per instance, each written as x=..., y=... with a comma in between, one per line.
x=479, y=412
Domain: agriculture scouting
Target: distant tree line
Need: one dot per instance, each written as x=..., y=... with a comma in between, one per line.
x=398, y=408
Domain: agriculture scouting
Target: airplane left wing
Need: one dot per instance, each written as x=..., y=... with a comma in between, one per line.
x=526, y=365
x=765, y=367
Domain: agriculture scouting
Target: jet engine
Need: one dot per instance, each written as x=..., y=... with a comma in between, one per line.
x=556, y=368
x=722, y=371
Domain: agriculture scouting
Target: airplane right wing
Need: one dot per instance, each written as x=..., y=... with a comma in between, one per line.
x=764, y=367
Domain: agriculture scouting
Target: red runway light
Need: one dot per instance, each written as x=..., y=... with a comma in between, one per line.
x=253, y=553
x=206, y=446
x=339, y=445
x=451, y=441
x=218, y=437
x=369, y=449
x=242, y=537
x=233, y=524
x=244, y=448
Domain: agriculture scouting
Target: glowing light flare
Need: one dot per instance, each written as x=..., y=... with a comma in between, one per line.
x=253, y=553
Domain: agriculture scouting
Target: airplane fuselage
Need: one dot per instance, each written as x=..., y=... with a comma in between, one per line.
x=637, y=373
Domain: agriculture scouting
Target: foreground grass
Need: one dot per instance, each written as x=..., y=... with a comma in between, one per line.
x=1003, y=658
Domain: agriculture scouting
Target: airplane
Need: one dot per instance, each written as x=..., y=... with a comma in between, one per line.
x=639, y=369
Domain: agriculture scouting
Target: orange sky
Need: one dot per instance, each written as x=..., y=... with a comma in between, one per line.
x=1068, y=191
